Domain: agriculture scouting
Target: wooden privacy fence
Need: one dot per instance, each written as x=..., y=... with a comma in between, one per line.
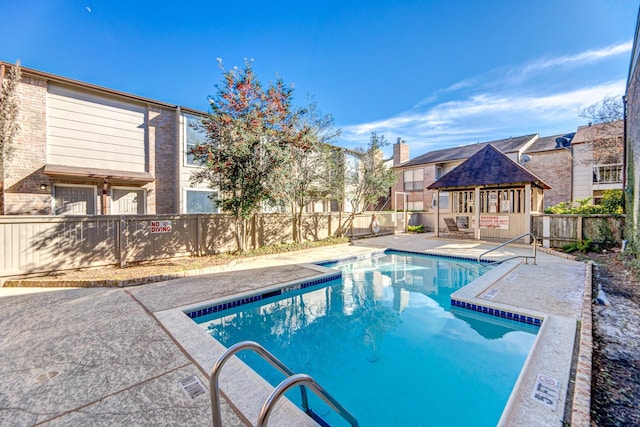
x=558, y=230
x=38, y=244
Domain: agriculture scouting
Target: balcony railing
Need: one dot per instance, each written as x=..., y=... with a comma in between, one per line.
x=608, y=174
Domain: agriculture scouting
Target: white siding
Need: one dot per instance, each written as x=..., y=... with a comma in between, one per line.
x=582, y=172
x=87, y=130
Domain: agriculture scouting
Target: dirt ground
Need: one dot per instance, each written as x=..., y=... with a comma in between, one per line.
x=615, y=389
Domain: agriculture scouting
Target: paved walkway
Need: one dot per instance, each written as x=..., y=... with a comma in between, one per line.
x=115, y=356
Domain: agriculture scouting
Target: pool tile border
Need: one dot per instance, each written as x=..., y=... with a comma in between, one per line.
x=402, y=251
x=195, y=313
x=205, y=311
x=446, y=256
x=496, y=312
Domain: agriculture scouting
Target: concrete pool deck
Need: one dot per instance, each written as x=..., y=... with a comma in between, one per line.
x=114, y=356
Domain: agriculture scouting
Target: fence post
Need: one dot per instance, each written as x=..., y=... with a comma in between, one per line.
x=122, y=242
x=199, y=244
x=546, y=231
x=579, y=230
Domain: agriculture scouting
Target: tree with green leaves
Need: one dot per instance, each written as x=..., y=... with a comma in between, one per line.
x=308, y=178
x=361, y=179
x=250, y=131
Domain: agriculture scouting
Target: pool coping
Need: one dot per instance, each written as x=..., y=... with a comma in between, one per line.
x=543, y=358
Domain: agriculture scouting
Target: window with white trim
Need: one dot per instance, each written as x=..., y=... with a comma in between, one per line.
x=200, y=201
x=193, y=136
x=415, y=206
x=413, y=180
x=443, y=199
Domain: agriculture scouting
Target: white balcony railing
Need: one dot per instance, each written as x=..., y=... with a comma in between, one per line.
x=608, y=174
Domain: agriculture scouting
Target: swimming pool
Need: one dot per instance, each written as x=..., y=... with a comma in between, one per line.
x=385, y=341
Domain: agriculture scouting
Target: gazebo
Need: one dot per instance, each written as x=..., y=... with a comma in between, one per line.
x=491, y=194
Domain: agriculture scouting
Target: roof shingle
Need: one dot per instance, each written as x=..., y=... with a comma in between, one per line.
x=508, y=145
x=488, y=166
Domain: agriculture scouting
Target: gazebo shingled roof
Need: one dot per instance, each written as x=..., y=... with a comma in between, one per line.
x=489, y=166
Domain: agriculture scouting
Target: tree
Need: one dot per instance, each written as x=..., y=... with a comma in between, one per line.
x=308, y=179
x=249, y=132
x=9, y=107
x=364, y=179
x=606, y=129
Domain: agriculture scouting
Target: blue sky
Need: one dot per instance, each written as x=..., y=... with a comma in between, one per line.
x=435, y=73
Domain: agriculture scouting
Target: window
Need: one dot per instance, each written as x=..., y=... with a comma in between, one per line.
x=200, y=201
x=415, y=206
x=444, y=200
x=192, y=137
x=439, y=170
x=413, y=180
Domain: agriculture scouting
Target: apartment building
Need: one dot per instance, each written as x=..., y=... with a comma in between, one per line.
x=576, y=165
x=83, y=149
x=89, y=150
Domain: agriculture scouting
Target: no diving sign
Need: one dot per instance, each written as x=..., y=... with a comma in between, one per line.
x=161, y=226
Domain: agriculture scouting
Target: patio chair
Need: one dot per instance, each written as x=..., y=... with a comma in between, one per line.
x=452, y=228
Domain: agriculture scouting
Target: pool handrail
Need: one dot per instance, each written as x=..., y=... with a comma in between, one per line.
x=302, y=380
x=535, y=246
x=298, y=379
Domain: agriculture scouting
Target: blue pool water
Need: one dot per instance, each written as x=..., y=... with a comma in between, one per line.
x=385, y=342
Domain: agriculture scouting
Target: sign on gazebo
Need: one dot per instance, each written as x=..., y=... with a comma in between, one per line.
x=492, y=222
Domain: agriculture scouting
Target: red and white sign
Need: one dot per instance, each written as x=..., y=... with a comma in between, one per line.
x=492, y=221
x=160, y=226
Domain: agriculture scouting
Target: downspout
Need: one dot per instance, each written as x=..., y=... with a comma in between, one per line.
x=624, y=143
x=2, y=71
x=572, y=171
x=179, y=145
x=105, y=189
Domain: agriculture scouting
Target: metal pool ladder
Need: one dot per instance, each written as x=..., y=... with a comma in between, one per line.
x=526, y=257
x=292, y=380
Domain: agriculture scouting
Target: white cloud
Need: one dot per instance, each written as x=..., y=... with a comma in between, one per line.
x=586, y=57
x=500, y=104
x=485, y=117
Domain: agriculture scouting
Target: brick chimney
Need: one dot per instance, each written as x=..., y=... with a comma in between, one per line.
x=400, y=152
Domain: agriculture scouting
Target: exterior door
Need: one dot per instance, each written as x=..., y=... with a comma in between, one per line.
x=128, y=202
x=75, y=201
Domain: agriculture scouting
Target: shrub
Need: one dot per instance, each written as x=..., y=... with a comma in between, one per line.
x=416, y=228
x=583, y=246
x=612, y=203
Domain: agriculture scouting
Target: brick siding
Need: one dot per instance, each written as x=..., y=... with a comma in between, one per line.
x=553, y=168
x=163, y=148
x=24, y=173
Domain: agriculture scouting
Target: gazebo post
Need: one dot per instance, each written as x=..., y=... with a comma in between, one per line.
x=437, y=225
x=527, y=212
x=476, y=212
